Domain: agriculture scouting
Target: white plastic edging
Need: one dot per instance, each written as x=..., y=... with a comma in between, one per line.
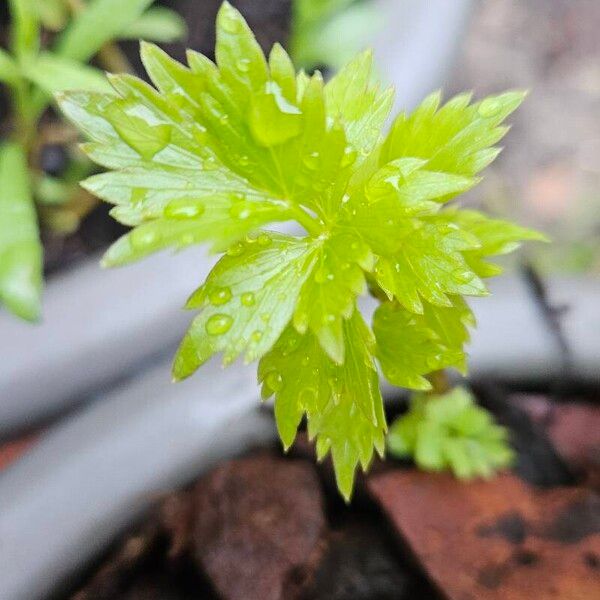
x=88, y=477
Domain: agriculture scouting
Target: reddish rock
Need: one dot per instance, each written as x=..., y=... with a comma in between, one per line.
x=11, y=451
x=259, y=526
x=496, y=540
x=573, y=429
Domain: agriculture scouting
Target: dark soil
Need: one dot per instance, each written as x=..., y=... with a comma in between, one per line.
x=271, y=526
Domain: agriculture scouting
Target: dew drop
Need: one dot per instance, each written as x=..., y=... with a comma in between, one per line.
x=244, y=160
x=308, y=396
x=256, y=336
x=274, y=381
x=218, y=324
x=228, y=21
x=433, y=362
x=236, y=250
x=138, y=195
x=349, y=156
x=248, y=299
x=345, y=198
x=183, y=209
x=210, y=164
x=265, y=317
x=243, y=65
x=321, y=274
x=291, y=345
x=187, y=239
x=241, y=211
x=264, y=240
x=305, y=361
x=311, y=161
x=220, y=296
x=489, y=108
x=142, y=238
x=462, y=275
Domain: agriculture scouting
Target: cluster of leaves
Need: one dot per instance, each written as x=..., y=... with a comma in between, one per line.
x=31, y=74
x=329, y=32
x=216, y=152
x=450, y=432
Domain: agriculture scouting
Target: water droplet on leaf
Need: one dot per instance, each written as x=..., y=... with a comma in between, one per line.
x=248, y=299
x=218, y=324
x=264, y=239
x=220, y=296
x=183, y=209
x=236, y=250
x=489, y=108
x=274, y=381
x=243, y=65
x=142, y=238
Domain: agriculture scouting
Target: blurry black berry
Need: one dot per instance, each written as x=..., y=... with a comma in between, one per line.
x=53, y=159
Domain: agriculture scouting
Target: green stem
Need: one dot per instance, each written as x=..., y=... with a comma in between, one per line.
x=439, y=382
x=312, y=225
x=24, y=118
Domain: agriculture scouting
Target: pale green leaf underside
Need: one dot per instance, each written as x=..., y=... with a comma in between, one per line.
x=246, y=302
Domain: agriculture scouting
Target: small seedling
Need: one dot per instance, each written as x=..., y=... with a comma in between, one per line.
x=32, y=73
x=217, y=152
x=450, y=432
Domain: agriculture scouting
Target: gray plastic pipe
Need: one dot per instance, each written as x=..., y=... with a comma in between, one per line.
x=416, y=52
x=86, y=479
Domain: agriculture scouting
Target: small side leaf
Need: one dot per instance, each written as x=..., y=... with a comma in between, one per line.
x=246, y=302
x=54, y=74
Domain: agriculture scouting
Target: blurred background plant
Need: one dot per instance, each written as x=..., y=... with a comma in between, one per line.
x=328, y=33
x=55, y=45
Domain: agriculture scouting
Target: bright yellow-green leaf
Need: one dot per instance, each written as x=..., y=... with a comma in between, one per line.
x=408, y=348
x=216, y=152
x=342, y=402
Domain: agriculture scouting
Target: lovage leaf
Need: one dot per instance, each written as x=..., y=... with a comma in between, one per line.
x=429, y=264
x=408, y=348
x=246, y=302
x=496, y=237
x=342, y=402
x=329, y=294
x=353, y=97
x=457, y=137
x=217, y=151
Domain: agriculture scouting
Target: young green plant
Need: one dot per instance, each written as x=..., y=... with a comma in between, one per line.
x=217, y=152
x=31, y=74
